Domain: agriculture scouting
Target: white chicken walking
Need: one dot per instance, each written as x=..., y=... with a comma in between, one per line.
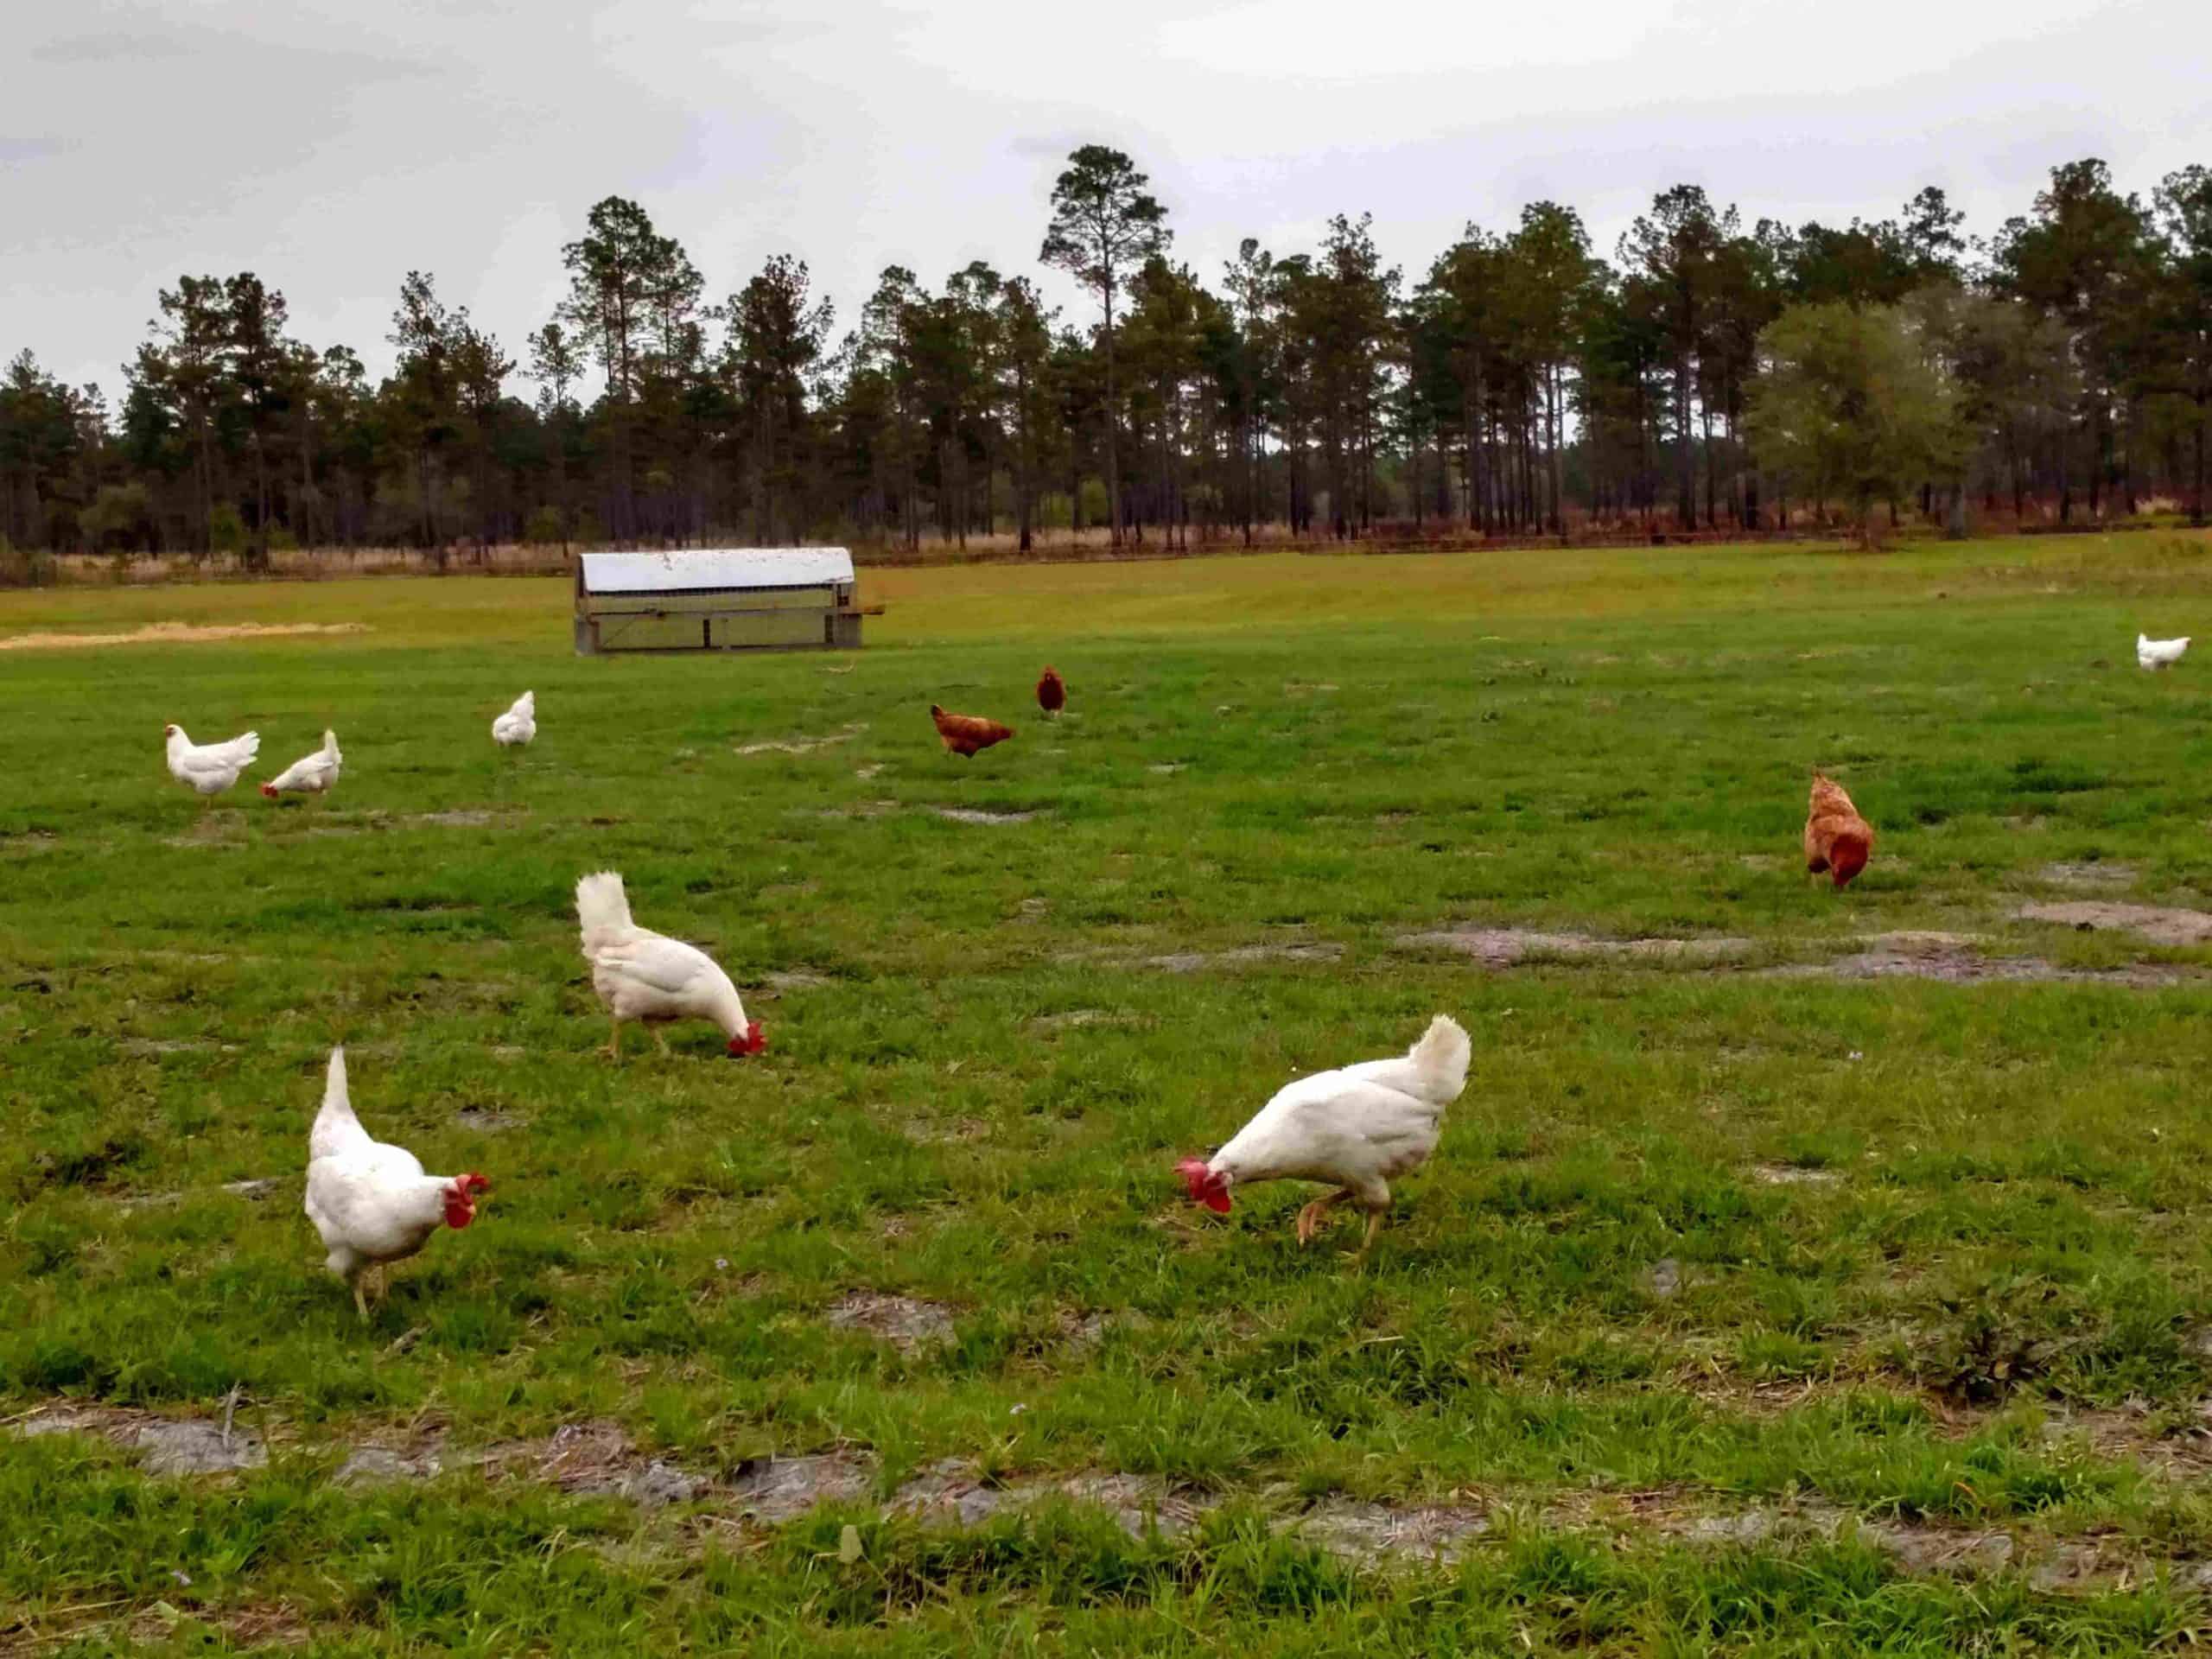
x=311, y=774
x=2158, y=653
x=518, y=724
x=1358, y=1128
x=371, y=1202
x=646, y=976
x=209, y=769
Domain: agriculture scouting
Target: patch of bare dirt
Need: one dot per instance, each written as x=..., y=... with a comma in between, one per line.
x=795, y=979
x=1370, y=1531
x=861, y=810
x=374, y=1466
x=1074, y=1018
x=982, y=815
x=460, y=817
x=1958, y=959
x=597, y=1459
x=1508, y=947
x=960, y=1131
x=2161, y=924
x=803, y=745
x=1247, y=956
x=2081, y=874
x=256, y=1189
x=951, y=1491
x=175, y=634
x=485, y=1120
x=255, y=1626
x=1793, y=1175
x=903, y=1321
x=150, y=1048
x=775, y=1489
x=167, y=1446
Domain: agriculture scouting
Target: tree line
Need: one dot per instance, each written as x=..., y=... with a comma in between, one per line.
x=1708, y=375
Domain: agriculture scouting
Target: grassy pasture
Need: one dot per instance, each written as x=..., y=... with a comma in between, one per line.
x=1716, y=1236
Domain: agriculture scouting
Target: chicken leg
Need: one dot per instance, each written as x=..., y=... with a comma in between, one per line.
x=661, y=1037
x=1310, y=1217
x=360, y=1302
x=614, y=1041
x=1375, y=1220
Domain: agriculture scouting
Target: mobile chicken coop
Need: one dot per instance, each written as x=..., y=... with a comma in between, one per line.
x=718, y=599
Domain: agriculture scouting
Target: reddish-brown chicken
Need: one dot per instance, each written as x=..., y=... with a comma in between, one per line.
x=1052, y=692
x=964, y=734
x=1837, y=840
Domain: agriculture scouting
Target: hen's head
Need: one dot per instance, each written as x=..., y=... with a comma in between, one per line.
x=1204, y=1185
x=460, y=1198
x=751, y=1040
x=172, y=730
x=270, y=790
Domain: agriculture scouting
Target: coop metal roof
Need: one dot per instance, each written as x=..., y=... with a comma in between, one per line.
x=706, y=569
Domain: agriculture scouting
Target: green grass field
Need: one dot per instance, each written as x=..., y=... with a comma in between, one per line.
x=1761, y=1299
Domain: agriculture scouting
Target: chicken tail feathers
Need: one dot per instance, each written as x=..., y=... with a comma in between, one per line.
x=334, y=1124
x=1440, y=1058
x=1848, y=855
x=602, y=909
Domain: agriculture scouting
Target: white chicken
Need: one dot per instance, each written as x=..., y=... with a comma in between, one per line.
x=1358, y=1128
x=371, y=1202
x=2158, y=653
x=644, y=977
x=311, y=774
x=209, y=768
x=520, y=724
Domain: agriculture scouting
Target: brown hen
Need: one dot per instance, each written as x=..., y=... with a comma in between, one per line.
x=1837, y=840
x=1052, y=692
x=964, y=734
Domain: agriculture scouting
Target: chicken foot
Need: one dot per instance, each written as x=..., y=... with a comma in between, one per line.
x=1310, y=1217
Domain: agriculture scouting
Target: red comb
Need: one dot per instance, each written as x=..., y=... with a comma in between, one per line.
x=1204, y=1186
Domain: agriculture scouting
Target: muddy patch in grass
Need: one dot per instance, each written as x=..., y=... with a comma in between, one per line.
x=802, y=745
x=463, y=818
x=166, y=1445
x=952, y=1492
x=787, y=980
x=1958, y=959
x=775, y=1489
x=1370, y=1531
x=2160, y=925
x=1794, y=1175
x=597, y=1459
x=1509, y=947
x=2081, y=874
x=485, y=1120
x=1074, y=1019
x=154, y=1047
x=1247, y=956
x=982, y=815
x=903, y=1321
x=860, y=810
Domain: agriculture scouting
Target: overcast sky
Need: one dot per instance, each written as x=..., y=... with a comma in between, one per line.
x=332, y=145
